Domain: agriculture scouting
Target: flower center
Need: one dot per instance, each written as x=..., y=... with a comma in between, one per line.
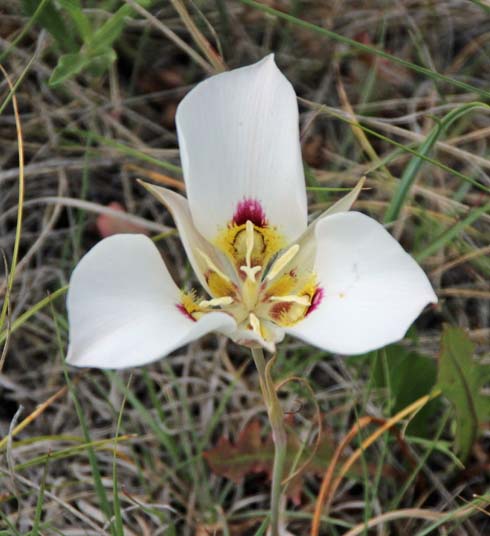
x=266, y=286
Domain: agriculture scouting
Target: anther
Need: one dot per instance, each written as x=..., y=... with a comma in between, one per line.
x=301, y=300
x=212, y=266
x=281, y=262
x=216, y=302
x=255, y=323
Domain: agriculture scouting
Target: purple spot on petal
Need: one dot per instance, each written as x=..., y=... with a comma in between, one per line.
x=315, y=302
x=249, y=209
x=279, y=309
x=184, y=311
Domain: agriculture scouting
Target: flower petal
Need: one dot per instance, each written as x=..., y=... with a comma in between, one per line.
x=344, y=204
x=239, y=142
x=122, y=307
x=246, y=337
x=372, y=289
x=192, y=240
x=305, y=258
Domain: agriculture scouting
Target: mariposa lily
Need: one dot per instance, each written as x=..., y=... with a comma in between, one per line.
x=342, y=283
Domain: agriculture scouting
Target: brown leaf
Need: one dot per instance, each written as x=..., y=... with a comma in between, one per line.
x=242, y=458
x=251, y=454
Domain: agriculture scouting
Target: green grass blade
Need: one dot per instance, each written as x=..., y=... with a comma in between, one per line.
x=125, y=149
x=480, y=503
x=40, y=501
x=23, y=318
x=218, y=413
x=20, y=206
x=165, y=439
x=74, y=10
x=196, y=467
x=99, y=486
x=366, y=48
x=36, y=10
x=452, y=232
x=417, y=161
x=118, y=523
x=430, y=445
x=482, y=4
x=263, y=526
x=103, y=38
x=12, y=531
x=100, y=444
x=404, y=148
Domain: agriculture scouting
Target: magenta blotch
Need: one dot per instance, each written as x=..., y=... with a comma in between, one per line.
x=249, y=209
x=315, y=302
x=184, y=311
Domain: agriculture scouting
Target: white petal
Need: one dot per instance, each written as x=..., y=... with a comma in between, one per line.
x=192, y=240
x=344, y=204
x=246, y=337
x=373, y=289
x=122, y=307
x=239, y=140
x=307, y=242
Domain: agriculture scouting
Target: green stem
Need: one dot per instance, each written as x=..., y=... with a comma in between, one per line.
x=279, y=436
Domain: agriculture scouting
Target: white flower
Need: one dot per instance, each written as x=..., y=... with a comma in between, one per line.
x=342, y=284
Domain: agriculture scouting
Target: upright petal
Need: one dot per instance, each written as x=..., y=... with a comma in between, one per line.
x=122, y=307
x=239, y=144
x=372, y=289
x=194, y=243
x=344, y=204
x=307, y=242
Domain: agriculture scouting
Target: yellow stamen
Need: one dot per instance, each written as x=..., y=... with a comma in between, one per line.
x=188, y=302
x=281, y=262
x=301, y=300
x=216, y=302
x=255, y=323
x=210, y=264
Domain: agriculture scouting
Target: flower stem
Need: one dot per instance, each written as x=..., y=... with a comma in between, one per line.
x=279, y=436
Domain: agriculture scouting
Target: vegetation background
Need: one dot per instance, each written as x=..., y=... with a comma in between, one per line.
x=394, y=90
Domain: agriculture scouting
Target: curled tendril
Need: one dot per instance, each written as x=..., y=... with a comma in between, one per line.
x=277, y=388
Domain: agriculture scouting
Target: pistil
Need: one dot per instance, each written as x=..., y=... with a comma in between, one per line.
x=248, y=269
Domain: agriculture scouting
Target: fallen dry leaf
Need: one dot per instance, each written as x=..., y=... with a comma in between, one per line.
x=251, y=454
x=108, y=225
